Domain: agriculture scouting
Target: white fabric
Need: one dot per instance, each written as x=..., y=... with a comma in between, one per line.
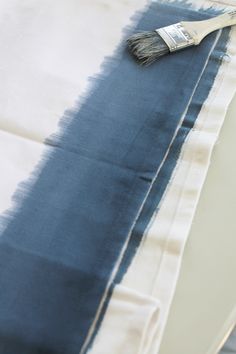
x=39, y=81
x=131, y=324
x=155, y=268
x=45, y=65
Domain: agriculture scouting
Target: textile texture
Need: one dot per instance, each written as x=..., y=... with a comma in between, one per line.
x=93, y=209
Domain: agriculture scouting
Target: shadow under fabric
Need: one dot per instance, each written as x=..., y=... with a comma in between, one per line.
x=230, y=345
x=61, y=246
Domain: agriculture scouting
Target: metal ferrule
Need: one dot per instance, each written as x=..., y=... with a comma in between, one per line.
x=176, y=37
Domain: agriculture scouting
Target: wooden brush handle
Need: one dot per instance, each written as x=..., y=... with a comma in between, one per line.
x=200, y=29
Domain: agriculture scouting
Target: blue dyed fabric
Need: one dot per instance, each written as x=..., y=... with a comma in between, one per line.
x=58, y=252
x=162, y=179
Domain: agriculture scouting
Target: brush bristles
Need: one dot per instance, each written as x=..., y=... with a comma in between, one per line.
x=147, y=47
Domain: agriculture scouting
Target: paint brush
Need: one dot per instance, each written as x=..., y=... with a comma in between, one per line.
x=149, y=46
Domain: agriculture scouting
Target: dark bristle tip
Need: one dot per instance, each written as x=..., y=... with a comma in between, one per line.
x=147, y=47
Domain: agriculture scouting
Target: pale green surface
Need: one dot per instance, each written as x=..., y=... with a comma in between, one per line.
x=206, y=290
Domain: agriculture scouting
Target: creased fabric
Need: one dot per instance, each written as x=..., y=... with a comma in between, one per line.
x=70, y=237
x=166, y=235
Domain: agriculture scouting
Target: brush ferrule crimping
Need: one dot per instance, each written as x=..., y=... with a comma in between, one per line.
x=176, y=37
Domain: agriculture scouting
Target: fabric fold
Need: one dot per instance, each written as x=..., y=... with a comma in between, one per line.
x=131, y=324
x=69, y=239
x=160, y=253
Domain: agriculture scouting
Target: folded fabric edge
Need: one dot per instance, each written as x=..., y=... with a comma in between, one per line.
x=170, y=261
x=131, y=323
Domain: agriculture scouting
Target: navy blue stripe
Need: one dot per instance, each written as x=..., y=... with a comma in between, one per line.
x=163, y=178
x=57, y=253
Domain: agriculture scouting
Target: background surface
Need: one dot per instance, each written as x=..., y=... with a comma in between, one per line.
x=206, y=290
